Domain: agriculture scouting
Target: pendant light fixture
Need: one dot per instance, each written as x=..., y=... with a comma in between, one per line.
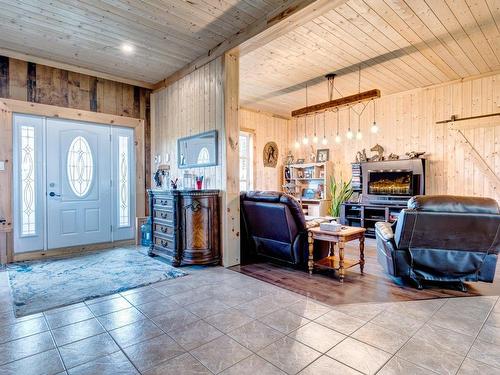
x=350, y=134
x=324, y=141
x=305, y=140
x=297, y=143
x=374, y=127
x=338, y=138
x=315, y=138
x=359, y=136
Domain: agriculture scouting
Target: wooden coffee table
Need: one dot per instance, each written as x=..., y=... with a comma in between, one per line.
x=337, y=239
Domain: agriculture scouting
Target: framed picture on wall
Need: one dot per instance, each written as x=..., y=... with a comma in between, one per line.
x=322, y=155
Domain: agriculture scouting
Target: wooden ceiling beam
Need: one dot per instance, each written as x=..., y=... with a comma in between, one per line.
x=346, y=100
x=280, y=21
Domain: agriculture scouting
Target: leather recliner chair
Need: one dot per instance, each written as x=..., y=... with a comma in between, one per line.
x=442, y=238
x=273, y=226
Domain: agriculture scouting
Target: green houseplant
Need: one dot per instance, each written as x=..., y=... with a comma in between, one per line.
x=341, y=192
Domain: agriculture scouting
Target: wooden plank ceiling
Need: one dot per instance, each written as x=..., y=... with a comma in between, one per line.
x=167, y=34
x=399, y=45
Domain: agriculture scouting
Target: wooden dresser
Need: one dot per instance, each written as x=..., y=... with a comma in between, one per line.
x=185, y=226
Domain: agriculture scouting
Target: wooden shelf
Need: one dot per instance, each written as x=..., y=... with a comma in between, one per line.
x=332, y=262
x=296, y=184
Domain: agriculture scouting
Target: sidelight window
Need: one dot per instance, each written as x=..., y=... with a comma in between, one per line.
x=124, y=182
x=28, y=183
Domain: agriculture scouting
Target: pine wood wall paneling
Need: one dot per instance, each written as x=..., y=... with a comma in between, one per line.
x=190, y=106
x=407, y=123
x=266, y=128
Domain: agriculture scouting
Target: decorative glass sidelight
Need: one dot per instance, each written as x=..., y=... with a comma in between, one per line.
x=80, y=164
x=124, y=182
x=28, y=194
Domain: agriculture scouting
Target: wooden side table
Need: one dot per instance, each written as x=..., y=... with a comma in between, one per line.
x=338, y=239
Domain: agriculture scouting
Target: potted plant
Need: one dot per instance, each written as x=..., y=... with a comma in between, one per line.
x=341, y=191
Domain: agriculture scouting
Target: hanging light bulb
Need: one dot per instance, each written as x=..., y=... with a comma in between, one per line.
x=315, y=138
x=305, y=140
x=350, y=134
x=359, y=135
x=374, y=127
x=297, y=143
x=324, y=141
x=338, y=138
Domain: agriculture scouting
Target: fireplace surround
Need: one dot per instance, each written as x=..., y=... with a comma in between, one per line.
x=392, y=181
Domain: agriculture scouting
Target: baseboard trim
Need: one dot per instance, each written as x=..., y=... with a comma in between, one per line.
x=70, y=251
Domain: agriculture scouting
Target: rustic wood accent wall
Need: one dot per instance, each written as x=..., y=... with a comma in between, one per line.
x=407, y=122
x=22, y=80
x=192, y=105
x=266, y=127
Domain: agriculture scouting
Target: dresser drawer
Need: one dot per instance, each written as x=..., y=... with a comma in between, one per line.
x=163, y=229
x=164, y=243
x=162, y=202
x=166, y=216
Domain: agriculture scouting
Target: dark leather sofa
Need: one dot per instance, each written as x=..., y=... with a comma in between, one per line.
x=273, y=226
x=442, y=238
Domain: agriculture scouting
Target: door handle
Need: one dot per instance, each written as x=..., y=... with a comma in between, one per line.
x=52, y=194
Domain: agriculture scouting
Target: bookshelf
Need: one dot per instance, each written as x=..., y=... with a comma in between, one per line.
x=308, y=182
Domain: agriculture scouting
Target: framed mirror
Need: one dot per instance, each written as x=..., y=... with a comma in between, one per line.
x=197, y=150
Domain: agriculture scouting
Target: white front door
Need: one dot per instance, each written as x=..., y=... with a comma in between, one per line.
x=78, y=184
x=73, y=183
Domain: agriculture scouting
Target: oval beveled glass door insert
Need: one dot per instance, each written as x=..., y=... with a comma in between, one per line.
x=80, y=166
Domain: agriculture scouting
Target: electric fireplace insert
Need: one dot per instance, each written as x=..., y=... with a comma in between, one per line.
x=398, y=183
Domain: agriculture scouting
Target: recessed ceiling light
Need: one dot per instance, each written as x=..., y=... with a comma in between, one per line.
x=127, y=48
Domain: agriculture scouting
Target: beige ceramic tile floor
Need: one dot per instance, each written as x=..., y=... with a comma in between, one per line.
x=218, y=321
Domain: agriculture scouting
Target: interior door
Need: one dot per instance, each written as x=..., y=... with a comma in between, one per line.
x=78, y=184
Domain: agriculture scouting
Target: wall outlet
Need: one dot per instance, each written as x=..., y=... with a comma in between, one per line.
x=2, y=165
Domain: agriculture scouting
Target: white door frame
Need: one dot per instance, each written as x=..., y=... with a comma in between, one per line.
x=10, y=106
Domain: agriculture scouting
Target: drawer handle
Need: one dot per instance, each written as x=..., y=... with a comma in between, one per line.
x=163, y=215
x=164, y=243
x=164, y=230
x=165, y=203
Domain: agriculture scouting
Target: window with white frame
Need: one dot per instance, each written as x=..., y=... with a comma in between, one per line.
x=246, y=161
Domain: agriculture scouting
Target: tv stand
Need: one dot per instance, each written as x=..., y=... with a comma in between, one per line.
x=365, y=215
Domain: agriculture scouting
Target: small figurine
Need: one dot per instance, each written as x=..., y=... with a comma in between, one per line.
x=173, y=184
x=380, y=153
x=312, y=155
x=414, y=154
x=289, y=158
x=361, y=156
x=393, y=157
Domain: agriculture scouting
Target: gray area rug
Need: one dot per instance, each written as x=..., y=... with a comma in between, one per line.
x=42, y=285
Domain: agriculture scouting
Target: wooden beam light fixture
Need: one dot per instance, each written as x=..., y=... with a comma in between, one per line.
x=337, y=103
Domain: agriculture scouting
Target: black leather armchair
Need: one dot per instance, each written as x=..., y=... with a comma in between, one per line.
x=273, y=226
x=442, y=238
